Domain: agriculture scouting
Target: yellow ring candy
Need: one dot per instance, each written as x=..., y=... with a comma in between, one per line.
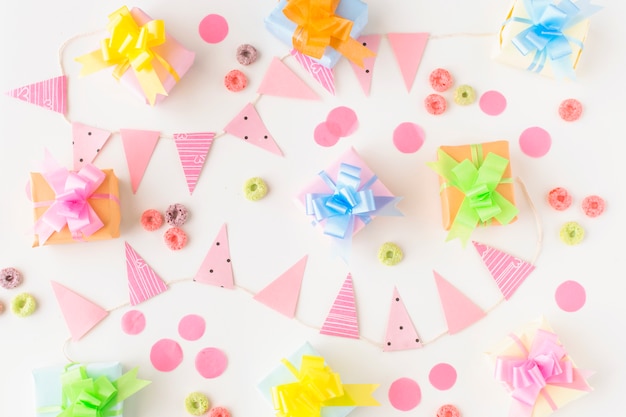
x=255, y=189
x=390, y=254
x=197, y=403
x=464, y=95
x=572, y=233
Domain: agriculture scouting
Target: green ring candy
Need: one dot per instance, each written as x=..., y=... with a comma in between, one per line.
x=255, y=189
x=390, y=254
x=572, y=233
x=197, y=403
x=464, y=95
x=23, y=305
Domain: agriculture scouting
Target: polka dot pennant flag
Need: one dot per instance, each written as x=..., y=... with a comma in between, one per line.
x=364, y=74
x=248, y=126
x=87, y=142
x=342, y=319
x=216, y=268
x=401, y=334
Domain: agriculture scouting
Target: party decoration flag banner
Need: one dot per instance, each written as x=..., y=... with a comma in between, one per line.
x=143, y=282
x=508, y=272
x=323, y=75
x=216, y=268
x=342, y=319
x=401, y=333
x=408, y=49
x=459, y=310
x=192, y=151
x=138, y=148
x=87, y=142
x=280, y=81
x=364, y=74
x=49, y=94
x=282, y=293
x=81, y=315
x=247, y=125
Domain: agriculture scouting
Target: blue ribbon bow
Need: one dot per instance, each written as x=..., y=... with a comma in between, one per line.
x=545, y=36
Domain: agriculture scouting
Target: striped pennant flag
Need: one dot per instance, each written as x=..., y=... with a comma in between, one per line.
x=342, y=320
x=192, y=151
x=143, y=282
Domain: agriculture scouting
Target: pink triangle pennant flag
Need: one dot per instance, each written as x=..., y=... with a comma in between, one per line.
x=81, y=315
x=138, y=148
x=280, y=81
x=216, y=269
x=143, y=282
x=508, y=271
x=282, y=293
x=408, y=49
x=49, y=94
x=401, y=333
x=323, y=75
x=87, y=142
x=459, y=310
x=192, y=151
x=342, y=319
x=248, y=126
x=364, y=74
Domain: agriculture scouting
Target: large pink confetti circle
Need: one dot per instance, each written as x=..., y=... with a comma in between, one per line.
x=404, y=394
x=213, y=28
x=442, y=376
x=535, y=142
x=570, y=296
x=342, y=121
x=166, y=355
x=323, y=135
x=492, y=103
x=408, y=137
x=133, y=322
x=191, y=327
x=211, y=362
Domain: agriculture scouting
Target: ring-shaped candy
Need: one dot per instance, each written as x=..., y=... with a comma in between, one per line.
x=151, y=220
x=390, y=254
x=572, y=233
x=255, y=189
x=197, y=403
x=10, y=278
x=235, y=81
x=246, y=54
x=23, y=305
x=175, y=238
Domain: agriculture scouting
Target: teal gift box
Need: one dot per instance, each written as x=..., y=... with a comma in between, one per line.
x=280, y=26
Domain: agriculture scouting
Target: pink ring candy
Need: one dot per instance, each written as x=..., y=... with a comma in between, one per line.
x=175, y=238
x=570, y=110
x=440, y=80
x=559, y=199
x=235, y=81
x=448, y=410
x=219, y=412
x=435, y=104
x=593, y=205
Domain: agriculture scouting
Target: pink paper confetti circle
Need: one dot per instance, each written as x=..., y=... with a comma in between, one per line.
x=404, y=394
x=324, y=136
x=342, y=121
x=492, y=103
x=213, y=28
x=408, y=137
x=191, y=327
x=166, y=355
x=133, y=322
x=535, y=142
x=211, y=362
x=442, y=376
x=570, y=296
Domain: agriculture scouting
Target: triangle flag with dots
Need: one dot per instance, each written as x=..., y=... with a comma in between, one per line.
x=49, y=94
x=459, y=310
x=216, y=268
x=342, y=319
x=81, y=315
x=280, y=81
x=282, y=293
x=508, y=271
x=247, y=125
x=87, y=142
x=192, y=151
x=323, y=75
x=138, y=148
x=364, y=74
x=143, y=282
x=408, y=49
x=401, y=333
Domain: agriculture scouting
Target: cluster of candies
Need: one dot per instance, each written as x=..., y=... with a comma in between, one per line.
x=572, y=232
x=441, y=80
x=197, y=404
x=176, y=215
x=236, y=80
x=22, y=305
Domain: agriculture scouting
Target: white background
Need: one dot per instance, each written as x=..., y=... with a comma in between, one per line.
x=269, y=236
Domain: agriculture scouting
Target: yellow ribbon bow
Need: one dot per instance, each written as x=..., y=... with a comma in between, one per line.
x=319, y=27
x=131, y=45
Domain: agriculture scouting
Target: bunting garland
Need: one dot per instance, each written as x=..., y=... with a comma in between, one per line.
x=192, y=151
x=50, y=94
x=342, y=319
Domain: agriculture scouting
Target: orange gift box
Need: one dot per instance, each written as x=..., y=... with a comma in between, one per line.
x=104, y=201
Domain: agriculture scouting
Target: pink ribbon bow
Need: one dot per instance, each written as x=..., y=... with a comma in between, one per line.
x=544, y=364
x=70, y=206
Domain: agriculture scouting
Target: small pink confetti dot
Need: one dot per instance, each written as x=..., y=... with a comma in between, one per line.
x=535, y=142
x=213, y=28
x=323, y=135
x=342, y=121
x=492, y=103
x=442, y=376
x=191, y=327
x=404, y=394
x=408, y=137
x=211, y=362
x=570, y=296
x=166, y=355
x=133, y=322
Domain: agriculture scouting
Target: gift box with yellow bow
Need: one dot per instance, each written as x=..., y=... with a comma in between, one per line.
x=321, y=29
x=76, y=390
x=303, y=385
x=545, y=36
x=143, y=55
x=476, y=187
x=536, y=370
x=74, y=206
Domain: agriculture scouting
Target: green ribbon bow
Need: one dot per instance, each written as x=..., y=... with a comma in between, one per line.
x=477, y=180
x=87, y=397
